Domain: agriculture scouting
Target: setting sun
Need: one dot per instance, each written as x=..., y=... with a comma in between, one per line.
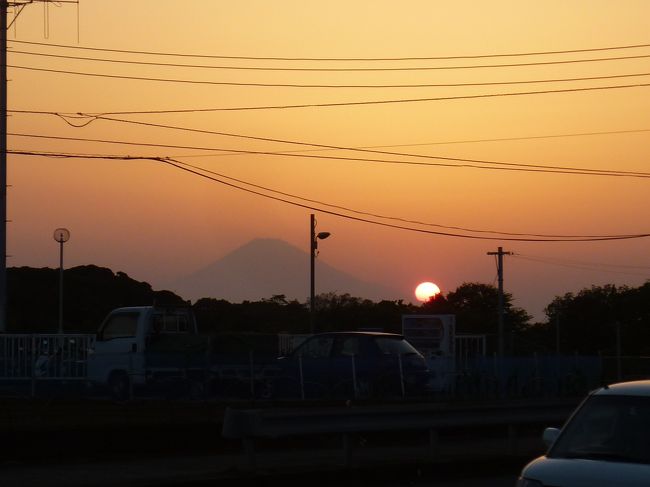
x=426, y=290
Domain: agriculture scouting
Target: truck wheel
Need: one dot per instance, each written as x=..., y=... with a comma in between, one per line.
x=119, y=386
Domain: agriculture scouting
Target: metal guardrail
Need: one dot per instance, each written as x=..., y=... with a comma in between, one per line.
x=252, y=424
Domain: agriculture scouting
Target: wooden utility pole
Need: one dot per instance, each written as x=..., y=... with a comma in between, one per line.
x=500, y=253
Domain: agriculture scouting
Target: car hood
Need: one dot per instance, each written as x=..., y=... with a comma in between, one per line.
x=576, y=472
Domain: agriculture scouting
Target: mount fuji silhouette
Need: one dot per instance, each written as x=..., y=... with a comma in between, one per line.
x=266, y=267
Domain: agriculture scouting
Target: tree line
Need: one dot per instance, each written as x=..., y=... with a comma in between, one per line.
x=586, y=322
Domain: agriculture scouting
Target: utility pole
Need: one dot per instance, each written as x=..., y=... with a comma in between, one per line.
x=312, y=268
x=3, y=165
x=500, y=253
x=18, y=7
x=313, y=247
x=61, y=235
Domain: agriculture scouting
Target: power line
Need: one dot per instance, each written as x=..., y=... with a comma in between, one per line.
x=339, y=207
x=285, y=58
x=579, y=262
x=265, y=188
x=321, y=105
x=272, y=68
x=509, y=166
x=508, y=139
x=374, y=102
x=372, y=151
x=418, y=144
x=585, y=267
x=322, y=86
x=181, y=166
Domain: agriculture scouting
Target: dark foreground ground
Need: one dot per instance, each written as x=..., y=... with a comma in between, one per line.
x=200, y=471
x=167, y=444
x=161, y=458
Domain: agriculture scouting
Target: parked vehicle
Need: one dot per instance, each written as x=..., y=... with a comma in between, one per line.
x=352, y=365
x=158, y=350
x=606, y=442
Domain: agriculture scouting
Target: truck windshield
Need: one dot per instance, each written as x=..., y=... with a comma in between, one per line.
x=121, y=325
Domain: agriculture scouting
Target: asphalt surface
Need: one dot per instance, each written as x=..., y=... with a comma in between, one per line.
x=380, y=460
x=209, y=471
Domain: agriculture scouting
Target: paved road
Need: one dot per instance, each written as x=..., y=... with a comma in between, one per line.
x=491, y=481
x=217, y=471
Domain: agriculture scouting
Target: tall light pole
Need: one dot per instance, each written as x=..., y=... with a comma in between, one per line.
x=313, y=244
x=61, y=235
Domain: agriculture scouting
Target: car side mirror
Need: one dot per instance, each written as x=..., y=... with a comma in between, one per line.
x=550, y=435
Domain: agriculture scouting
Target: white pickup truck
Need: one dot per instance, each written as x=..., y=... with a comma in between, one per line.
x=149, y=347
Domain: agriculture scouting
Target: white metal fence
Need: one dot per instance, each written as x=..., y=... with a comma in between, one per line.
x=42, y=357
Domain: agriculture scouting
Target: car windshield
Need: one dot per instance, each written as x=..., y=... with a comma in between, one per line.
x=395, y=345
x=611, y=428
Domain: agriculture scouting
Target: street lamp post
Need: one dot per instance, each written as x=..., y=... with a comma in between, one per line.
x=313, y=244
x=61, y=235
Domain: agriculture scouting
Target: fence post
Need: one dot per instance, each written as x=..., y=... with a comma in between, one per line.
x=130, y=375
x=401, y=374
x=497, y=380
x=354, y=377
x=251, y=363
x=619, y=368
x=302, y=379
x=33, y=364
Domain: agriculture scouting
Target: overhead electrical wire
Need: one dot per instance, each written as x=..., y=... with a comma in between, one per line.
x=579, y=262
x=325, y=86
x=184, y=167
x=472, y=162
x=583, y=266
x=285, y=58
x=272, y=68
x=373, y=102
x=508, y=139
x=418, y=144
x=371, y=151
x=467, y=141
x=376, y=215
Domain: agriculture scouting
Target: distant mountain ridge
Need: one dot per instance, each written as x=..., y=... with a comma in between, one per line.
x=266, y=267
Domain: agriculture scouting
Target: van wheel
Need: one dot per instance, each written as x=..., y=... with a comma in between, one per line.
x=119, y=386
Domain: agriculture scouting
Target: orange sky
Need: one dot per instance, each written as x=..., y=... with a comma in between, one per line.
x=156, y=223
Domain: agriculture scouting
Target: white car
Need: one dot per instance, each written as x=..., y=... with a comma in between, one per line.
x=605, y=443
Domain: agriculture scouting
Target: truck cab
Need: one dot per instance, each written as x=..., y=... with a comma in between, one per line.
x=136, y=346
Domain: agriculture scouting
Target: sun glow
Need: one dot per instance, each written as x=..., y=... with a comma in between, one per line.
x=426, y=290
